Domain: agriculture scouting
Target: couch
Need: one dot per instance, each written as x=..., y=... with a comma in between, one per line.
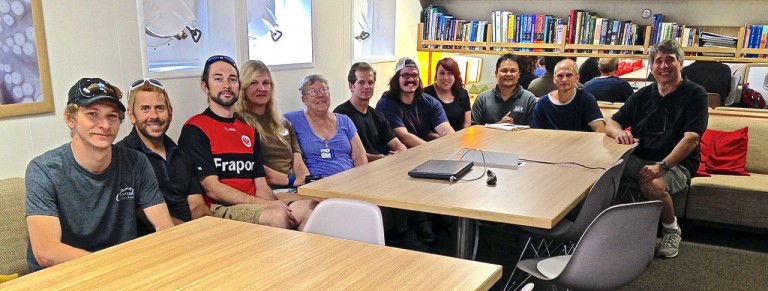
x=739, y=202
x=13, y=227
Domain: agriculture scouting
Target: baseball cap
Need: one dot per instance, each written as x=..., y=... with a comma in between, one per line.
x=405, y=62
x=89, y=90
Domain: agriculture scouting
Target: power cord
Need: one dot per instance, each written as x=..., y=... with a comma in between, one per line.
x=564, y=163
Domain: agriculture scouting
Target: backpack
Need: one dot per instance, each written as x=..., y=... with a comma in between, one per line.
x=751, y=98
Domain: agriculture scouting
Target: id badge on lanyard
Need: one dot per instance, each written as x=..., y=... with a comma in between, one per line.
x=326, y=152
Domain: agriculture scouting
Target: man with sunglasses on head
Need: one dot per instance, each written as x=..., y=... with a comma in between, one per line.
x=666, y=120
x=84, y=196
x=228, y=160
x=150, y=112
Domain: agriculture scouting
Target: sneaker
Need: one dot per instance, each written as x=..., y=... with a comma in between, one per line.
x=670, y=243
x=424, y=232
x=407, y=241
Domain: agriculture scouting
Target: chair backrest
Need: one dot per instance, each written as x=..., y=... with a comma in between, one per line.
x=598, y=199
x=13, y=227
x=615, y=249
x=349, y=219
x=623, y=165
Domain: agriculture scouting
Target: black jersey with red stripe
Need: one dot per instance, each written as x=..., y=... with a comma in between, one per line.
x=224, y=147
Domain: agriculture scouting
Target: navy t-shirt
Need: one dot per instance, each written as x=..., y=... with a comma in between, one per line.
x=576, y=115
x=610, y=89
x=419, y=118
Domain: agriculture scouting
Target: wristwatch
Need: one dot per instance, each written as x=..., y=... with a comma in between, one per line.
x=664, y=165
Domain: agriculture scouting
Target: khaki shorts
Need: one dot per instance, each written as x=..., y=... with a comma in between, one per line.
x=676, y=178
x=247, y=212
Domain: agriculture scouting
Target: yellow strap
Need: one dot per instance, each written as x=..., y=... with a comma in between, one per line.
x=6, y=278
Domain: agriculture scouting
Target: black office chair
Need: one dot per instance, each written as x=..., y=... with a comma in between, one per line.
x=614, y=250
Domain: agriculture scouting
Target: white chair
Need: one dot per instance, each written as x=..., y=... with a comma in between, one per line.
x=348, y=219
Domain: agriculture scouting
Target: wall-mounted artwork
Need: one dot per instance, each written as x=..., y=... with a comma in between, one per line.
x=26, y=79
x=280, y=31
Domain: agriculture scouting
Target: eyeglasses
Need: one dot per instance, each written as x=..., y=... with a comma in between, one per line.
x=217, y=58
x=140, y=82
x=314, y=93
x=92, y=89
x=409, y=76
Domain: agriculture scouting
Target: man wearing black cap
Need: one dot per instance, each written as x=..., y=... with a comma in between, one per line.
x=83, y=196
x=227, y=155
x=414, y=116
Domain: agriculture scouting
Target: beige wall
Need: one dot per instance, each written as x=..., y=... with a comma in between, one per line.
x=101, y=38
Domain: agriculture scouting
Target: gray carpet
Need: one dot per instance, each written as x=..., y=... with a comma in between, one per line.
x=706, y=267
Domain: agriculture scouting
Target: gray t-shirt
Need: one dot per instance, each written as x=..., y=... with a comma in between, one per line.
x=490, y=108
x=96, y=211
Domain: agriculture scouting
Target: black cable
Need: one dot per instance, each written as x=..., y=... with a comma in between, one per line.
x=485, y=166
x=564, y=163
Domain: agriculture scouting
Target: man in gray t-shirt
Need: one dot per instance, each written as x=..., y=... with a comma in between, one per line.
x=508, y=102
x=84, y=196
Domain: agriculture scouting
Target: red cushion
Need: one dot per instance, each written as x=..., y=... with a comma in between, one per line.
x=728, y=152
x=705, y=147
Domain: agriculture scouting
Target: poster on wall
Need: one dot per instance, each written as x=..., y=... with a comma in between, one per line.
x=280, y=31
x=26, y=81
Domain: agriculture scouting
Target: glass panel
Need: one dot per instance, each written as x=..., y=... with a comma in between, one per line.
x=280, y=32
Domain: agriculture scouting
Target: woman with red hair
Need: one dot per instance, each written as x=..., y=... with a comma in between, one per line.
x=449, y=89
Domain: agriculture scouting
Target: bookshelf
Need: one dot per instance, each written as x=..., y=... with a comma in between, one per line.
x=572, y=50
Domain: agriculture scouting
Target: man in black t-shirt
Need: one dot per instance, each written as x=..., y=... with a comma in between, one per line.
x=379, y=141
x=150, y=112
x=373, y=128
x=667, y=120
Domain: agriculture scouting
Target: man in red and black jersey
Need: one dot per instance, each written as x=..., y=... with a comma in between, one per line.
x=228, y=160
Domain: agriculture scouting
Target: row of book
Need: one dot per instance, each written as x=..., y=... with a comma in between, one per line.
x=585, y=27
x=439, y=25
x=506, y=26
x=755, y=37
x=663, y=30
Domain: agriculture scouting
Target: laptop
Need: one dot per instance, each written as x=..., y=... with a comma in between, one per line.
x=441, y=169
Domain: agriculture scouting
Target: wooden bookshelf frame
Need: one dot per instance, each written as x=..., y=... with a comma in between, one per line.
x=570, y=50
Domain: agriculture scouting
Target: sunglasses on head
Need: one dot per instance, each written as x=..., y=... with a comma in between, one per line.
x=140, y=82
x=93, y=89
x=217, y=58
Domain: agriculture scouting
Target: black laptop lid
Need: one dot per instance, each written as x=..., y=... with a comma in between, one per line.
x=441, y=169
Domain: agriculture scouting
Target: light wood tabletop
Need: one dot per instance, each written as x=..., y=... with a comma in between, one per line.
x=538, y=194
x=212, y=253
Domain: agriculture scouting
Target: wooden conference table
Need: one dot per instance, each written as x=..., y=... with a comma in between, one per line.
x=537, y=194
x=212, y=253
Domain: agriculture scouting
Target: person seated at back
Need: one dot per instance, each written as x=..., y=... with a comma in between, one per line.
x=373, y=128
x=715, y=77
x=329, y=142
x=608, y=87
x=283, y=164
x=527, y=67
x=508, y=102
x=589, y=70
x=545, y=84
x=568, y=108
x=415, y=117
x=150, y=111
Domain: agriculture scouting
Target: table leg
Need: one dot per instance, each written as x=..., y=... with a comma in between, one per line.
x=465, y=238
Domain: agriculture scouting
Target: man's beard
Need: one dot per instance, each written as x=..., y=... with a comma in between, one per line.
x=218, y=100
